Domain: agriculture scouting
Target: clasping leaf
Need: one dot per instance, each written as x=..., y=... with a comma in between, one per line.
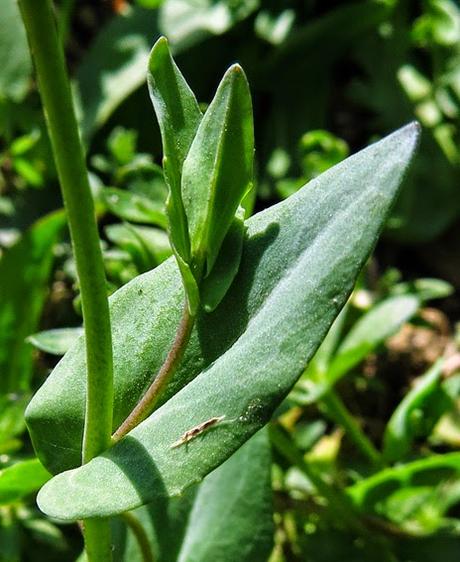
x=208, y=165
x=218, y=169
x=178, y=116
x=299, y=262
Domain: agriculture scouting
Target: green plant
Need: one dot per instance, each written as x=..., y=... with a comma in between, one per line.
x=224, y=329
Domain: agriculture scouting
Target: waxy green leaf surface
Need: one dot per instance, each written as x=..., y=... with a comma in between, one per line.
x=178, y=116
x=218, y=169
x=228, y=517
x=299, y=263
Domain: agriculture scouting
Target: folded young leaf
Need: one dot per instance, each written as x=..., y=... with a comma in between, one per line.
x=217, y=172
x=299, y=263
x=178, y=116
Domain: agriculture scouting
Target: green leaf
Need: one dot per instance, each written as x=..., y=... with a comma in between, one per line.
x=217, y=172
x=47, y=535
x=381, y=322
x=187, y=22
x=402, y=427
x=12, y=423
x=228, y=517
x=114, y=66
x=147, y=246
x=299, y=262
x=122, y=144
x=322, y=359
x=232, y=515
x=24, y=273
x=133, y=207
x=421, y=510
x=10, y=538
x=178, y=116
x=164, y=522
x=150, y=4
x=274, y=28
x=15, y=59
x=429, y=472
x=56, y=342
x=369, y=332
x=21, y=479
x=216, y=284
x=425, y=289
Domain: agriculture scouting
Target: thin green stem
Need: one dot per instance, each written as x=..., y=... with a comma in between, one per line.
x=70, y=163
x=150, y=399
x=141, y=536
x=68, y=153
x=337, y=411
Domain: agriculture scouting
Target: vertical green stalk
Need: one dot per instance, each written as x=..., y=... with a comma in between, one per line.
x=337, y=411
x=68, y=153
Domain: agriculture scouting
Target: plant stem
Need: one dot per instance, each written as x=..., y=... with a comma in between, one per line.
x=139, y=532
x=70, y=163
x=336, y=409
x=65, y=17
x=98, y=541
x=148, y=402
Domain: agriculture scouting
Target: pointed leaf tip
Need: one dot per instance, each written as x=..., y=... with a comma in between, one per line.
x=411, y=132
x=161, y=43
x=218, y=168
x=299, y=262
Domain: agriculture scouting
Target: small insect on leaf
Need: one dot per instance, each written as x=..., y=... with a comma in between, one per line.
x=197, y=430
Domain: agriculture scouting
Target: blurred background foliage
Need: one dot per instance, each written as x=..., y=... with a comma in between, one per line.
x=327, y=79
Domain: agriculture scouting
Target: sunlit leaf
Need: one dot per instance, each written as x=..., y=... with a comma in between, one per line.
x=56, y=342
x=114, y=66
x=24, y=276
x=234, y=501
x=300, y=260
x=21, y=479
x=217, y=172
x=186, y=22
